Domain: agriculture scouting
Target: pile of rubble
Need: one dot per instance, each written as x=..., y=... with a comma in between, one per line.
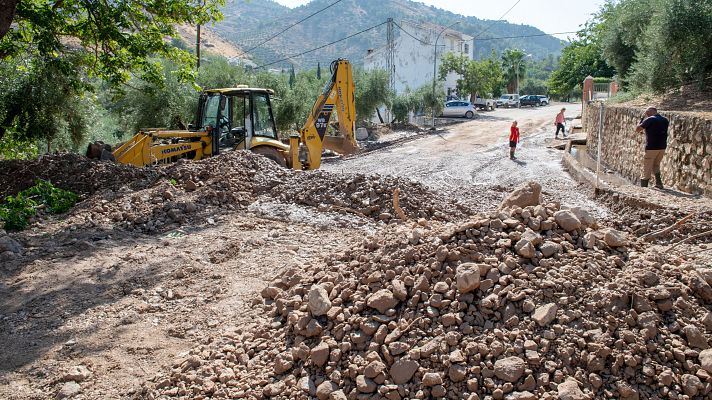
x=73, y=172
x=368, y=196
x=647, y=217
x=181, y=193
x=530, y=301
x=156, y=199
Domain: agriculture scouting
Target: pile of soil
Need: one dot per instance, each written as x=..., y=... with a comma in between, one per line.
x=367, y=195
x=161, y=198
x=648, y=216
x=181, y=193
x=526, y=303
x=71, y=171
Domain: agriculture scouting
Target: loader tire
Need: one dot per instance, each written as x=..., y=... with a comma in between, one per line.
x=271, y=153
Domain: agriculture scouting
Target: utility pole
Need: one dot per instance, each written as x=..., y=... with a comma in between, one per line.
x=390, y=56
x=197, y=46
x=390, y=64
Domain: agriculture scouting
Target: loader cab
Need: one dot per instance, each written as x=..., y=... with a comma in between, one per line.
x=236, y=116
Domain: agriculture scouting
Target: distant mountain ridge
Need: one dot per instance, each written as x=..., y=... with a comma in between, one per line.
x=247, y=23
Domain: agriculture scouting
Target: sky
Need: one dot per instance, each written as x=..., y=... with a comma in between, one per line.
x=548, y=15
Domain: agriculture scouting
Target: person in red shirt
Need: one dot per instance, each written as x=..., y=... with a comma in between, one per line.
x=513, y=139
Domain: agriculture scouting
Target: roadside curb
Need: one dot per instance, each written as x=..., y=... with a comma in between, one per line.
x=579, y=172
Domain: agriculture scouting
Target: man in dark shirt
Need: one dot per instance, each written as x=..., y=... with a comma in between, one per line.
x=655, y=127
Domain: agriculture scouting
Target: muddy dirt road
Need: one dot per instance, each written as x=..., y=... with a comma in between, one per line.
x=470, y=160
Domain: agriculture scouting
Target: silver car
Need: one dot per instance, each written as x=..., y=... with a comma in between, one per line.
x=458, y=108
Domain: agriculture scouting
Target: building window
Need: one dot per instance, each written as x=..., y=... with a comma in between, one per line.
x=452, y=45
x=467, y=49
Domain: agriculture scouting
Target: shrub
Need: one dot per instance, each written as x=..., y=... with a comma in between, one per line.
x=16, y=211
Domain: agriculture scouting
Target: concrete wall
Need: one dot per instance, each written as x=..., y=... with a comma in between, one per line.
x=687, y=165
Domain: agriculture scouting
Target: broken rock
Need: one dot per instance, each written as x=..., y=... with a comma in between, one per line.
x=432, y=379
x=382, y=300
x=569, y=390
x=587, y=220
x=324, y=390
x=509, y=369
x=549, y=248
x=319, y=303
x=545, y=314
x=614, y=238
x=467, y=277
x=525, y=248
x=528, y=194
x=402, y=371
x=694, y=337
x=77, y=373
x=567, y=220
x=706, y=360
x=69, y=389
x=320, y=354
x=365, y=385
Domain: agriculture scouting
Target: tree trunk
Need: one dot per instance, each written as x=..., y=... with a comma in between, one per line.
x=7, y=13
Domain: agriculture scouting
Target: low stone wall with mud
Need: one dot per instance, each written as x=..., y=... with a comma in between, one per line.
x=687, y=165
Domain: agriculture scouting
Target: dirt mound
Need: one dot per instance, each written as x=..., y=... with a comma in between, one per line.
x=71, y=172
x=156, y=199
x=655, y=218
x=367, y=195
x=528, y=303
x=181, y=193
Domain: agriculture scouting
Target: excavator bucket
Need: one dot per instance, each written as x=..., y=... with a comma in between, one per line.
x=340, y=145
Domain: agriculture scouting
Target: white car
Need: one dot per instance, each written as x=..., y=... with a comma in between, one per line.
x=544, y=100
x=458, y=108
x=508, y=100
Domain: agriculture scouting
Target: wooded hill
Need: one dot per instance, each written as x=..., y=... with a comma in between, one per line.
x=248, y=23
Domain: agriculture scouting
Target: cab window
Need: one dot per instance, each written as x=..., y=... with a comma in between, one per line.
x=210, y=111
x=262, y=113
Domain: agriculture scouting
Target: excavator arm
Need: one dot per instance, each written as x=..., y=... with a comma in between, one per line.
x=337, y=96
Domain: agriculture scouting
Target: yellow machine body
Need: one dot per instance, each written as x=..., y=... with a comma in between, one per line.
x=241, y=118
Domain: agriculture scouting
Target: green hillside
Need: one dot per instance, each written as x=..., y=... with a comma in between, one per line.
x=249, y=22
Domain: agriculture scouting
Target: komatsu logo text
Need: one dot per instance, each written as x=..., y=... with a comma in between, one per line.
x=176, y=149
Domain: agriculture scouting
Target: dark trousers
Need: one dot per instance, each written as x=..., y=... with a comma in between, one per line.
x=562, y=128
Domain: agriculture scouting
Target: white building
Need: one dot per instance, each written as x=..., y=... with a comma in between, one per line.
x=414, y=50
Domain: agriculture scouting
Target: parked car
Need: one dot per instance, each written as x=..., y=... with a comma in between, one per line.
x=530, y=100
x=508, y=100
x=458, y=108
x=544, y=100
x=484, y=104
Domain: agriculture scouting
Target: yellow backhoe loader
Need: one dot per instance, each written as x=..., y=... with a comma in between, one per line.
x=241, y=118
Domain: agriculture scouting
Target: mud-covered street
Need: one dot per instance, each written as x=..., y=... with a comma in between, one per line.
x=470, y=160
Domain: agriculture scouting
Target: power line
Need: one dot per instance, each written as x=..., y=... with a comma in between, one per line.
x=500, y=18
x=322, y=46
x=293, y=25
x=526, y=36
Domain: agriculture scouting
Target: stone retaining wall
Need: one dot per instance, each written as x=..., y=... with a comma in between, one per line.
x=687, y=165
